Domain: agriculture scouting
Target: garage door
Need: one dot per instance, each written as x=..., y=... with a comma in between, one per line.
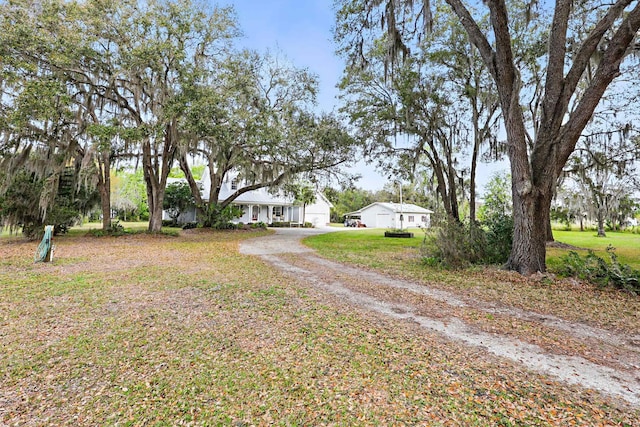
x=383, y=220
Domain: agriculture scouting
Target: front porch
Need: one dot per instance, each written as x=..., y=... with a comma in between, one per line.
x=269, y=214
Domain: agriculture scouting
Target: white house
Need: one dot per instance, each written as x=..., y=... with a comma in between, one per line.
x=392, y=215
x=263, y=205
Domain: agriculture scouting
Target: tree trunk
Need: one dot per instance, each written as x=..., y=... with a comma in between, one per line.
x=531, y=219
x=156, y=169
x=155, y=198
x=193, y=185
x=600, y=219
x=472, y=183
x=531, y=190
x=104, y=187
x=105, y=204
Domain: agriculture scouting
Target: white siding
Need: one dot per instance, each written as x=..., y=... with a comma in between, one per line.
x=318, y=213
x=375, y=213
x=385, y=215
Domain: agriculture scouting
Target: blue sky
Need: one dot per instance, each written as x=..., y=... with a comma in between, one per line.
x=298, y=29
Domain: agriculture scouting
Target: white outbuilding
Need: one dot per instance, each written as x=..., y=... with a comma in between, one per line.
x=392, y=215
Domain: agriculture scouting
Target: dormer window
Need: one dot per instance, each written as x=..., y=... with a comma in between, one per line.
x=234, y=184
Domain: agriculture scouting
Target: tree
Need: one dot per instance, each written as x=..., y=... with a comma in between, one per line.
x=128, y=195
x=451, y=55
x=436, y=109
x=169, y=44
x=580, y=66
x=497, y=198
x=255, y=122
x=177, y=200
x=37, y=107
x=20, y=203
x=347, y=199
x=114, y=74
x=603, y=167
x=404, y=121
x=52, y=92
x=303, y=192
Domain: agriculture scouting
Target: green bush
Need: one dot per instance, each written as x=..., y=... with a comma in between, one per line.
x=220, y=218
x=116, y=229
x=450, y=246
x=599, y=272
x=455, y=245
x=279, y=224
x=498, y=231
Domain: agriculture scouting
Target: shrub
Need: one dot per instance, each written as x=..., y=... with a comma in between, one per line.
x=259, y=224
x=190, y=225
x=278, y=224
x=454, y=244
x=498, y=238
x=450, y=246
x=220, y=218
x=177, y=199
x=597, y=271
x=116, y=229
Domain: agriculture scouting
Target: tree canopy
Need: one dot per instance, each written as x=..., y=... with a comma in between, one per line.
x=103, y=82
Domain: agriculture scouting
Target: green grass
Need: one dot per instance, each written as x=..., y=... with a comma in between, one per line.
x=129, y=226
x=366, y=247
x=627, y=245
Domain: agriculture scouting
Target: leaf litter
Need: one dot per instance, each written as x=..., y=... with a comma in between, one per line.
x=187, y=331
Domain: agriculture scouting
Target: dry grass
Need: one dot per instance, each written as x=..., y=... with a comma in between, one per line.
x=144, y=330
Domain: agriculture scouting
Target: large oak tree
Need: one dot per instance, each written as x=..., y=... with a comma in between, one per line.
x=568, y=98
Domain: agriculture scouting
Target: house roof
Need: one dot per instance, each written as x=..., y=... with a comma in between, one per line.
x=261, y=196
x=405, y=208
x=324, y=198
x=257, y=197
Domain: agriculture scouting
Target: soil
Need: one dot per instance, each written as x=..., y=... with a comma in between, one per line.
x=575, y=353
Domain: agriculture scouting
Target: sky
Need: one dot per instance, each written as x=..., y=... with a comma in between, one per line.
x=298, y=29
x=301, y=30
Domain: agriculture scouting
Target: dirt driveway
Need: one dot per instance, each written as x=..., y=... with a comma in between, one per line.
x=616, y=373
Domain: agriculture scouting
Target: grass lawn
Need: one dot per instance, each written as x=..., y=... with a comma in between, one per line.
x=365, y=246
x=627, y=245
x=183, y=330
x=131, y=226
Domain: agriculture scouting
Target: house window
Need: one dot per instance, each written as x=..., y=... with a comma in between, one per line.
x=234, y=184
x=424, y=219
x=410, y=218
x=277, y=211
